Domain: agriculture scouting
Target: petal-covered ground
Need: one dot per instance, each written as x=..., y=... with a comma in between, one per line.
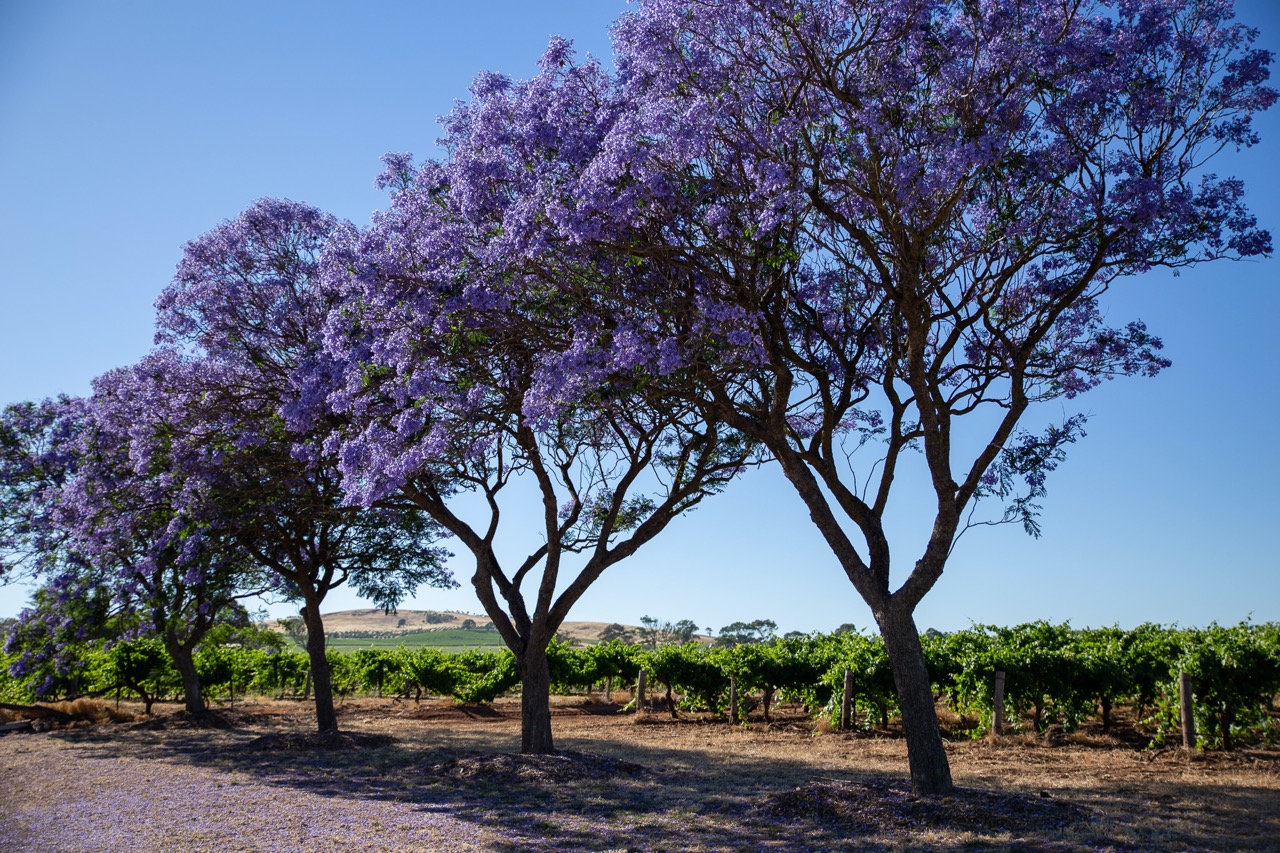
x=441, y=777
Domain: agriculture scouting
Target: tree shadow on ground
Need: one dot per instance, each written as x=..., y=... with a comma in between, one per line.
x=1171, y=814
x=608, y=795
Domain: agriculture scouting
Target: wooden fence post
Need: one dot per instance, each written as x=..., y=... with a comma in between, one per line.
x=846, y=702
x=733, y=701
x=1187, y=708
x=640, y=693
x=997, y=717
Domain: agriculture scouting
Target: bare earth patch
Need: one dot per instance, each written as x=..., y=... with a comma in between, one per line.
x=438, y=776
x=309, y=741
x=183, y=720
x=564, y=766
x=876, y=806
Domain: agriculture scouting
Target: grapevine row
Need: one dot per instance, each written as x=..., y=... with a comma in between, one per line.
x=1055, y=675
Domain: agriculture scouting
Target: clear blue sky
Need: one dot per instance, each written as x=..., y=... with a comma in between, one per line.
x=129, y=128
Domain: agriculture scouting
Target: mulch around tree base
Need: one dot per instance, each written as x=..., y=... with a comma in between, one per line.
x=876, y=806
x=563, y=766
x=312, y=741
x=210, y=719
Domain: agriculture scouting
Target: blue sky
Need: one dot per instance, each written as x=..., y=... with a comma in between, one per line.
x=127, y=129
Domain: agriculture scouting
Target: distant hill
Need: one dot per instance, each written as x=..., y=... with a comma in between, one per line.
x=404, y=621
x=376, y=619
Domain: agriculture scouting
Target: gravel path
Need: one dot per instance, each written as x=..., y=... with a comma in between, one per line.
x=119, y=803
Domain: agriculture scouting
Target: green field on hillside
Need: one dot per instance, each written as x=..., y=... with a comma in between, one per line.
x=448, y=639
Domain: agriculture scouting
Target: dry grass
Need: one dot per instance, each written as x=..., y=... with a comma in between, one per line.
x=378, y=620
x=699, y=784
x=83, y=712
x=1137, y=799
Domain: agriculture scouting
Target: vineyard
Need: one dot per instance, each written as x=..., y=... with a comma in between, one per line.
x=1055, y=676
x=451, y=638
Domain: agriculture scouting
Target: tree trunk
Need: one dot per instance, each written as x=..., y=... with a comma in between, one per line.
x=192, y=692
x=535, y=703
x=1106, y=712
x=930, y=770
x=321, y=677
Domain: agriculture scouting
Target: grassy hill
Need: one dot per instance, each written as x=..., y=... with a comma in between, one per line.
x=448, y=639
x=373, y=628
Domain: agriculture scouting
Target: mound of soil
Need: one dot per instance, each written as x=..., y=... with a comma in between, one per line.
x=315, y=741
x=558, y=767
x=182, y=720
x=876, y=806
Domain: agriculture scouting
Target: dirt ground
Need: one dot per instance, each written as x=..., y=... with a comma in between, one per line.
x=448, y=777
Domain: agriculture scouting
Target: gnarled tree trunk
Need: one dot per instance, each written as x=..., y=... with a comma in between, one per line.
x=926, y=757
x=192, y=690
x=321, y=678
x=535, y=702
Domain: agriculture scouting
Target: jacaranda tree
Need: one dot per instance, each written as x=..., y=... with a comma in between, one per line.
x=472, y=371
x=123, y=535
x=247, y=297
x=72, y=605
x=917, y=207
x=866, y=224
x=143, y=504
